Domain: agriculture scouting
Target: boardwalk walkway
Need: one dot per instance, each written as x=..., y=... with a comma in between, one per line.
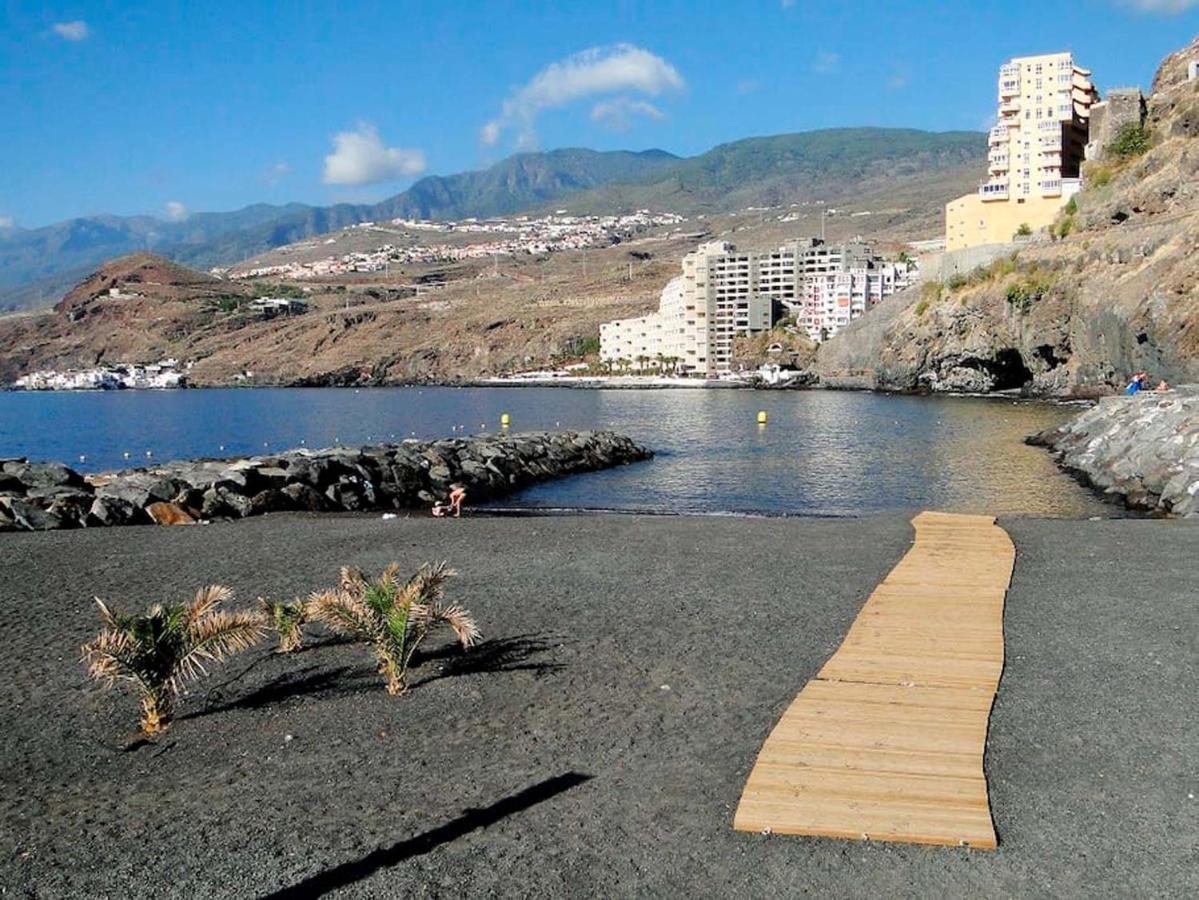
x=887, y=741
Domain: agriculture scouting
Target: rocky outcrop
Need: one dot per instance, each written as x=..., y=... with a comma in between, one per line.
x=1143, y=449
x=1068, y=317
x=44, y=496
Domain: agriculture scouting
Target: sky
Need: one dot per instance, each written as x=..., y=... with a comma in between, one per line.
x=169, y=108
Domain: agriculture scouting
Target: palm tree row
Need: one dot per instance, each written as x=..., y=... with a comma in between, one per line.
x=159, y=651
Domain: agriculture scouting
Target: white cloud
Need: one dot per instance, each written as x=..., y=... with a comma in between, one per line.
x=7, y=222
x=72, y=31
x=360, y=157
x=277, y=173
x=786, y=4
x=900, y=76
x=826, y=63
x=1168, y=7
x=619, y=69
x=176, y=211
x=618, y=113
x=748, y=86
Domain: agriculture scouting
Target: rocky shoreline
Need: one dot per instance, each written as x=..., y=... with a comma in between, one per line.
x=409, y=475
x=1144, y=449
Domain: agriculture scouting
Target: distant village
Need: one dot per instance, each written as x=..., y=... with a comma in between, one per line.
x=521, y=235
x=163, y=375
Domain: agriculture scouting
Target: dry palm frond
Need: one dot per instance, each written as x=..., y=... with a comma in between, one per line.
x=167, y=645
x=393, y=617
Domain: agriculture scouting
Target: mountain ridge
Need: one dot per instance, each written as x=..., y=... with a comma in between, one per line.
x=38, y=264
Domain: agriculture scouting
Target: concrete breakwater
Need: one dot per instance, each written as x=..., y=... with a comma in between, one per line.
x=46, y=496
x=1144, y=449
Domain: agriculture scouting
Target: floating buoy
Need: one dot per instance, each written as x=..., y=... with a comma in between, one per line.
x=82, y=458
x=762, y=417
x=505, y=420
x=221, y=448
x=126, y=454
x=149, y=453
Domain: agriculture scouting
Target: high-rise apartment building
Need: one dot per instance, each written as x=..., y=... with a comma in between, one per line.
x=1035, y=152
x=724, y=292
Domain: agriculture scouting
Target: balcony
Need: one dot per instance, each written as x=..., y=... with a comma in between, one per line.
x=993, y=190
x=997, y=135
x=1009, y=106
x=1051, y=187
x=1008, y=70
x=1008, y=87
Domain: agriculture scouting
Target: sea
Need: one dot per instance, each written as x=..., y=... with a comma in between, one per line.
x=820, y=453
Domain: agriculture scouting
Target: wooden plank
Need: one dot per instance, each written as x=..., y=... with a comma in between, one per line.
x=887, y=742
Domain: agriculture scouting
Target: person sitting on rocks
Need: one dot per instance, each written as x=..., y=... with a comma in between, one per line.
x=440, y=509
x=1139, y=382
x=1162, y=387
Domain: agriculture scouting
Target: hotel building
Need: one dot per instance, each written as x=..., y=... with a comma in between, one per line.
x=724, y=292
x=1035, y=152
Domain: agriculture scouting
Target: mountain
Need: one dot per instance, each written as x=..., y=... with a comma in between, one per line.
x=774, y=170
x=37, y=264
x=1116, y=292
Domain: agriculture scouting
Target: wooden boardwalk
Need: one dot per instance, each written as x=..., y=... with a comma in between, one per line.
x=887, y=741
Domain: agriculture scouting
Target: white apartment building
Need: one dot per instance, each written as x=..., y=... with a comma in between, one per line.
x=834, y=299
x=724, y=292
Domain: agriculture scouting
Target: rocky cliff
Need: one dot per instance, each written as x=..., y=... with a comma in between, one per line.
x=45, y=496
x=1114, y=290
x=1143, y=449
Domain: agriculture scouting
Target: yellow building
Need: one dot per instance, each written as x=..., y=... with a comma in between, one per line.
x=1035, y=152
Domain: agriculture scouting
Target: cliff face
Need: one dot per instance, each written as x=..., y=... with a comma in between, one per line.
x=1073, y=316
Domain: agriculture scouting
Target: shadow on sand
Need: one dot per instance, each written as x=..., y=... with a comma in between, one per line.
x=514, y=654
x=385, y=857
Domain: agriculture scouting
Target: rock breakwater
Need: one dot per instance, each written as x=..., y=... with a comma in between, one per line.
x=45, y=496
x=1143, y=449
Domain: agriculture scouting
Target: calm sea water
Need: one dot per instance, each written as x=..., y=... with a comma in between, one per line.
x=822, y=453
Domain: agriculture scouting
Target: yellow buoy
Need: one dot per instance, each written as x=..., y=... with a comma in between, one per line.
x=762, y=417
x=505, y=420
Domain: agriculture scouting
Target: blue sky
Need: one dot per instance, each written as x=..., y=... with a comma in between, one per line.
x=169, y=108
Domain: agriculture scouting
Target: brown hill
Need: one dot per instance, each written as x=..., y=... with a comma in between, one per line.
x=1118, y=294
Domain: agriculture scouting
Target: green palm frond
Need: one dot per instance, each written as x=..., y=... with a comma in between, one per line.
x=393, y=617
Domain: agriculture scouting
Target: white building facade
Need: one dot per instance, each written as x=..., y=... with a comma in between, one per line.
x=724, y=293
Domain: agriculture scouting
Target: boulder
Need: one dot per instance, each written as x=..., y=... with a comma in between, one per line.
x=166, y=513
x=301, y=496
x=115, y=511
x=44, y=475
x=31, y=517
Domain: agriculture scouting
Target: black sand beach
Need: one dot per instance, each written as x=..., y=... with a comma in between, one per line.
x=598, y=741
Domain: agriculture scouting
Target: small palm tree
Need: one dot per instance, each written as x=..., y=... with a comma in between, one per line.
x=167, y=646
x=288, y=618
x=394, y=617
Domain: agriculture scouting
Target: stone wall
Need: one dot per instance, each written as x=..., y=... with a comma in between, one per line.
x=1120, y=107
x=1143, y=449
x=44, y=496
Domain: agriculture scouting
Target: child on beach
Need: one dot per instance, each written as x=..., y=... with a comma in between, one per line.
x=452, y=504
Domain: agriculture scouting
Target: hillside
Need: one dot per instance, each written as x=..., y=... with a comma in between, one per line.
x=36, y=265
x=772, y=171
x=1072, y=316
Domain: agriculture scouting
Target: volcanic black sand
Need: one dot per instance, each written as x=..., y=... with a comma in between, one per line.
x=598, y=741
